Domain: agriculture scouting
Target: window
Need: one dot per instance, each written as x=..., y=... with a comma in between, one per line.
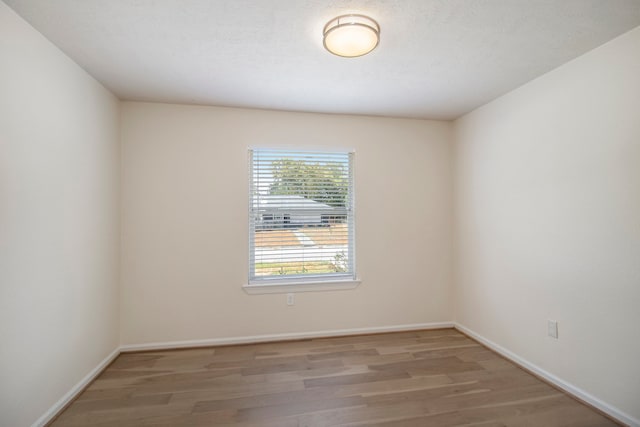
x=301, y=226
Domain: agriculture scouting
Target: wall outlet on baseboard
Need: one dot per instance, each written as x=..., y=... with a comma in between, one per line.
x=552, y=328
x=290, y=299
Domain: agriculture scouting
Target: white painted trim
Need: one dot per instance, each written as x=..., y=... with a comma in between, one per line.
x=301, y=286
x=282, y=337
x=75, y=390
x=564, y=385
x=312, y=149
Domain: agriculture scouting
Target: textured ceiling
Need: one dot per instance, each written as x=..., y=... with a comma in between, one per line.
x=436, y=58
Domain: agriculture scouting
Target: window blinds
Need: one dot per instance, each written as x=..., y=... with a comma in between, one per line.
x=300, y=215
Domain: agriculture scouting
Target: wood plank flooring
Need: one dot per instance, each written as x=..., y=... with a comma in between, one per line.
x=423, y=378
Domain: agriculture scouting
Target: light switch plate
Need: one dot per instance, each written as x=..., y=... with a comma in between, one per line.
x=552, y=328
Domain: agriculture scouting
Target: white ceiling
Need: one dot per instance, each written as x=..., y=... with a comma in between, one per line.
x=436, y=59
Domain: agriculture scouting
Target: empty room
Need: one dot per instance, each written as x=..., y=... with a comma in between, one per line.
x=291, y=213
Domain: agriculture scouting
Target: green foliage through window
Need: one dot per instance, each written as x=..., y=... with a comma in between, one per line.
x=323, y=182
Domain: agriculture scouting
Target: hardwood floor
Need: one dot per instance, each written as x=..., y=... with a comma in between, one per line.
x=423, y=378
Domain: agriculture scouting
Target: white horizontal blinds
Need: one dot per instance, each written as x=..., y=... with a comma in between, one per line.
x=301, y=214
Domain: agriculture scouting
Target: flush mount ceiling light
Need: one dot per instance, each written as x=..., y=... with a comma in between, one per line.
x=351, y=35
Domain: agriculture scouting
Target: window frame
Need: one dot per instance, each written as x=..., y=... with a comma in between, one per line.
x=306, y=282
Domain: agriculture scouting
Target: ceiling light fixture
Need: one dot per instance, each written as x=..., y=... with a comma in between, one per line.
x=351, y=35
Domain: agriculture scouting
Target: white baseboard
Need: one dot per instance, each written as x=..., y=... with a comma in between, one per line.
x=282, y=337
x=560, y=383
x=75, y=390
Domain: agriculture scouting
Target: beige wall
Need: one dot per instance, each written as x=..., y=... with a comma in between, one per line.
x=59, y=168
x=547, y=200
x=185, y=231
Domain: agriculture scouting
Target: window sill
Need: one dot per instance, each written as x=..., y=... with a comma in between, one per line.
x=301, y=286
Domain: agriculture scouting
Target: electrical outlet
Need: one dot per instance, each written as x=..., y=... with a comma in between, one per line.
x=552, y=328
x=290, y=299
